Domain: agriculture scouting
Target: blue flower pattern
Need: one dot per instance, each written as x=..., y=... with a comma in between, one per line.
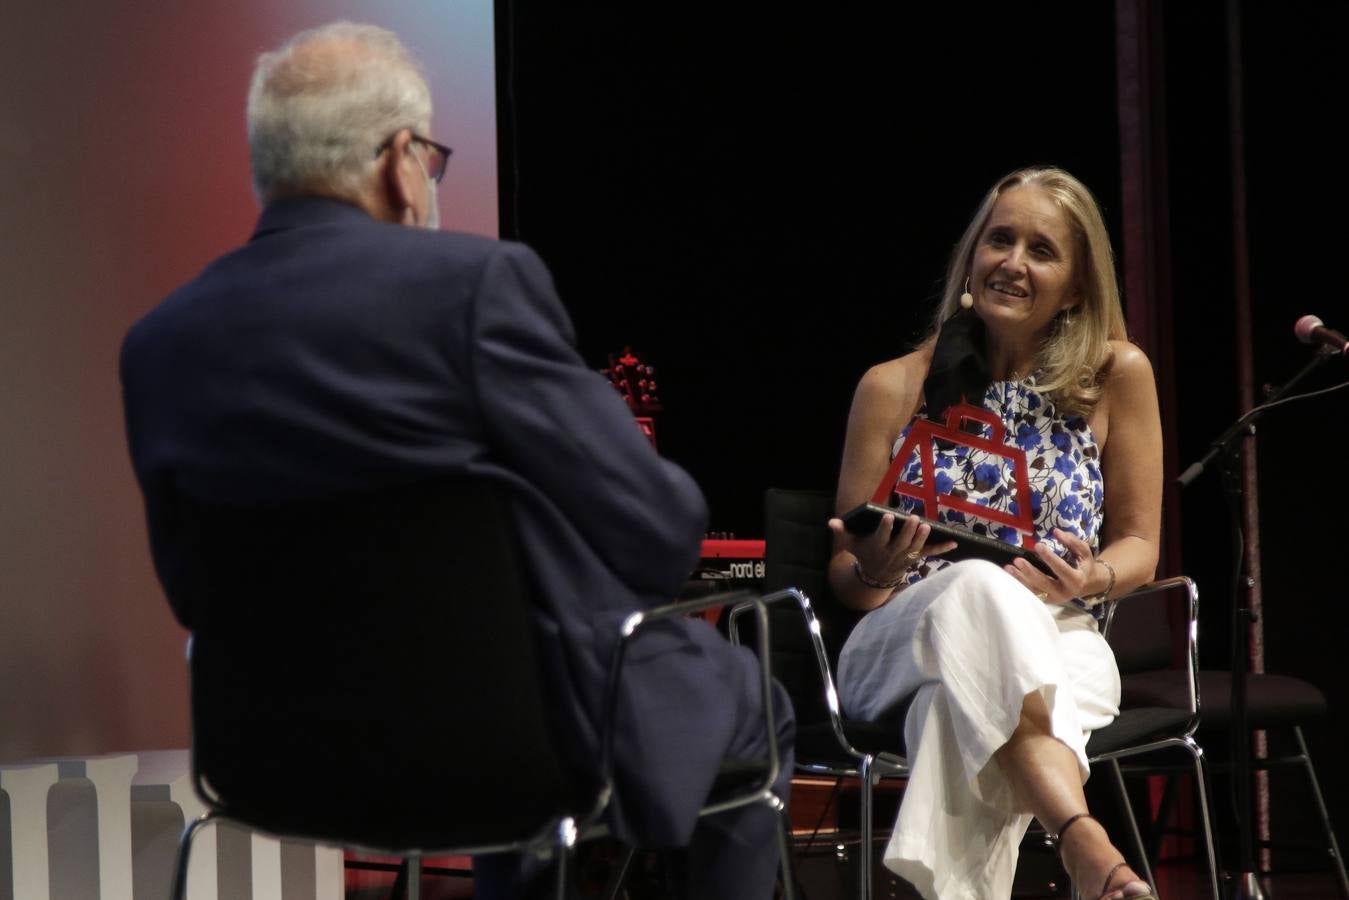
x=1063, y=465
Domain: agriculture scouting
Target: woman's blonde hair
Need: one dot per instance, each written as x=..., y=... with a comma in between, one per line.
x=1072, y=357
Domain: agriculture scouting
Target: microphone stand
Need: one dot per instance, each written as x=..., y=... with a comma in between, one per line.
x=1228, y=447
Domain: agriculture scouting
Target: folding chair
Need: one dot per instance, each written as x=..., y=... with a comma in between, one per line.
x=798, y=547
x=365, y=674
x=1279, y=704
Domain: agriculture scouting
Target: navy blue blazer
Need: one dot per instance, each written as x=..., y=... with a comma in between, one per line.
x=334, y=352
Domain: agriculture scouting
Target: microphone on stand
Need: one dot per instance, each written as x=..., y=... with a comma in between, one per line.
x=1311, y=330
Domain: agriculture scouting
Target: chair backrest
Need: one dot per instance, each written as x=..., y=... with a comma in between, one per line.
x=798, y=545
x=1142, y=634
x=363, y=668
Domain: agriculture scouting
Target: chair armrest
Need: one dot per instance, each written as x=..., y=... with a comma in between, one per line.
x=1191, y=629
x=812, y=625
x=632, y=624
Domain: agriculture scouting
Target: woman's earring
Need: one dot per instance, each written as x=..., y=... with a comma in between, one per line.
x=966, y=299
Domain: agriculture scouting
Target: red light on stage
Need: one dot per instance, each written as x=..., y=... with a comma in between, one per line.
x=648, y=426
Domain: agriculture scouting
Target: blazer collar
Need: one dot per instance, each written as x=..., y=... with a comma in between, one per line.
x=297, y=212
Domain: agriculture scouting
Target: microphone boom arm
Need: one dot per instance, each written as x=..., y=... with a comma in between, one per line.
x=1245, y=425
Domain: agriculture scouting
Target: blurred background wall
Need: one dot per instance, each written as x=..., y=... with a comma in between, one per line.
x=126, y=170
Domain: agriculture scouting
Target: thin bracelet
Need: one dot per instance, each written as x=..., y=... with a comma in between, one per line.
x=871, y=582
x=1098, y=599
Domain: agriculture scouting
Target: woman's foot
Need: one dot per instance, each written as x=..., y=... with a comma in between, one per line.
x=1093, y=863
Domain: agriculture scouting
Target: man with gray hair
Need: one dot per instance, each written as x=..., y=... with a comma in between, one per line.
x=337, y=351
x=319, y=105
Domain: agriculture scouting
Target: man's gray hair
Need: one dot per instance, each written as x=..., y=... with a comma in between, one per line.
x=322, y=103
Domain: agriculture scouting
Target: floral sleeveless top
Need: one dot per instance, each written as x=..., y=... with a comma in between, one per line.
x=1063, y=464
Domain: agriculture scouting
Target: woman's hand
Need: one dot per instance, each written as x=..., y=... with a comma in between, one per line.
x=1070, y=580
x=889, y=552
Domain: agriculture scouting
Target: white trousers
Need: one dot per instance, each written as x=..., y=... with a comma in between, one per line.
x=970, y=642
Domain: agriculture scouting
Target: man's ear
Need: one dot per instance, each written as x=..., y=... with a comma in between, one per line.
x=400, y=175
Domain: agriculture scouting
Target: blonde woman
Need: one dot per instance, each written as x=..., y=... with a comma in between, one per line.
x=1007, y=671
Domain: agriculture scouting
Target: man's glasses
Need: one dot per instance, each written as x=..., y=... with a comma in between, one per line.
x=437, y=160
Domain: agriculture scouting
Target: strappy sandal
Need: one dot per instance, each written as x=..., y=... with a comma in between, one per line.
x=1055, y=841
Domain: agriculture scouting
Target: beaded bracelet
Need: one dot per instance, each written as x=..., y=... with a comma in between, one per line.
x=871, y=582
x=1098, y=599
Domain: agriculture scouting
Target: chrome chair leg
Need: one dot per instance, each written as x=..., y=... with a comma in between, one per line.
x=1202, y=786
x=1139, y=850
x=785, y=859
x=566, y=843
x=864, y=772
x=619, y=876
x=185, y=852
x=1334, y=845
x=414, y=869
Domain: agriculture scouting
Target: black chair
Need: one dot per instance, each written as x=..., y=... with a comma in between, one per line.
x=805, y=645
x=351, y=661
x=798, y=548
x=1144, y=729
x=1278, y=704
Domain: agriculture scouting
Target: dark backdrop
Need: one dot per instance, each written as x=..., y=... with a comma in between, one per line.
x=1294, y=85
x=762, y=205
